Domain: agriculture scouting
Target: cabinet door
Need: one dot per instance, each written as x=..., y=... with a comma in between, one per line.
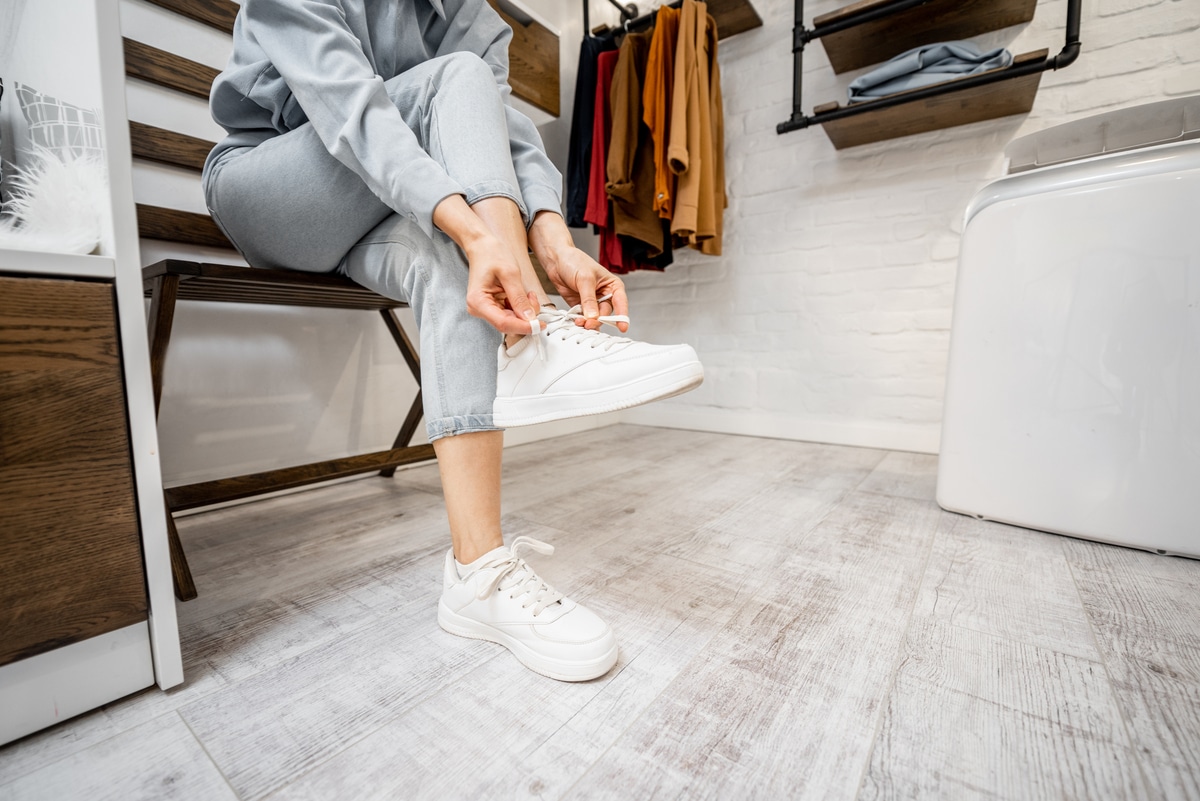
x=70, y=553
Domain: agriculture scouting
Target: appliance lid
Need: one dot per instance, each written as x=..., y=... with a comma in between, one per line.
x=1158, y=123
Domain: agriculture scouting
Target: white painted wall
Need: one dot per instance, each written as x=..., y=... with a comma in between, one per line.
x=829, y=316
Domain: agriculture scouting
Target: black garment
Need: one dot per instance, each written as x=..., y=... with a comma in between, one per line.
x=579, y=150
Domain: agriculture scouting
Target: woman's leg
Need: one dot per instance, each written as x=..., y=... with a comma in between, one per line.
x=470, y=468
x=458, y=370
x=499, y=597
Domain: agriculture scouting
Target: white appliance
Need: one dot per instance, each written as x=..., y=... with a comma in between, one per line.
x=1073, y=388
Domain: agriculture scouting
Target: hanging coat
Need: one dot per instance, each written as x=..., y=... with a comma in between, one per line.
x=631, y=151
x=656, y=104
x=696, y=146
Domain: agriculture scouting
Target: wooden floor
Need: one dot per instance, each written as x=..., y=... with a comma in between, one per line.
x=796, y=621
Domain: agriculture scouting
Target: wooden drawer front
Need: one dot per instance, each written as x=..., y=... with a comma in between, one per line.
x=70, y=554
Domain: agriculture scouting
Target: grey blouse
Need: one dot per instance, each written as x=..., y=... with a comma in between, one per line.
x=325, y=62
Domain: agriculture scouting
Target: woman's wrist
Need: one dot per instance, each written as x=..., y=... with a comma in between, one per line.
x=550, y=240
x=457, y=220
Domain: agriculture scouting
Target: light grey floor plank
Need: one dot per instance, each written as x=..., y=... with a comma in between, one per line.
x=501, y=731
x=783, y=703
x=269, y=728
x=159, y=759
x=1006, y=581
x=906, y=475
x=793, y=618
x=1145, y=610
x=976, y=716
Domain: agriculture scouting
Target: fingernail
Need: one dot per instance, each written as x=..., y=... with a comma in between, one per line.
x=530, y=314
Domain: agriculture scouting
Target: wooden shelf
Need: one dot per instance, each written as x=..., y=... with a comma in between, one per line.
x=974, y=104
x=935, y=21
x=733, y=17
x=533, y=62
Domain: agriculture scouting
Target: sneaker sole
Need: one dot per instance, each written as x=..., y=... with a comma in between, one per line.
x=531, y=409
x=551, y=668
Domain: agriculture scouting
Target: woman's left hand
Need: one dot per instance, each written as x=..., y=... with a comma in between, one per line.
x=581, y=281
x=579, y=278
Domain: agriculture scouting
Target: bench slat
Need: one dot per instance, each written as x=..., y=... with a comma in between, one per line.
x=236, y=284
x=269, y=295
x=167, y=69
x=168, y=147
x=232, y=489
x=217, y=14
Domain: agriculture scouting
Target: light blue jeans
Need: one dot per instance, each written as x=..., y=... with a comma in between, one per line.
x=287, y=203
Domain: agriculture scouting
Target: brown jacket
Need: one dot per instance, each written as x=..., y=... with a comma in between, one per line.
x=696, y=149
x=656, y=104
x=630, y=167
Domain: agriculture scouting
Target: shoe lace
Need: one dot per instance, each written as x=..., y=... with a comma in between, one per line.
x=562, y=324
x=518, y=579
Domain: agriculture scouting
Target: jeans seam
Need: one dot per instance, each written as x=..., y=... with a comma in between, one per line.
x=210, y=196
x=431, y=309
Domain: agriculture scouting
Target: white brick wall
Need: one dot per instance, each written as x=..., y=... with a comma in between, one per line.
x=829, y=316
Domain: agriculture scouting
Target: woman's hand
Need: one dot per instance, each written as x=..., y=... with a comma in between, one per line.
x=579, y=278
x=495, y=290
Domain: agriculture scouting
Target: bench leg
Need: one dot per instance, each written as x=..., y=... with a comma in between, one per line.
x=163, y=293
x=181, y=574
x=404, y=438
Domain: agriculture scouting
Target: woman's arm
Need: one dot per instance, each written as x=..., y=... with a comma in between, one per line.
x=321, y=60
x=539, y=180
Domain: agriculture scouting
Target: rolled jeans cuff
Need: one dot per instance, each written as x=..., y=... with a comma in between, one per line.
x=484, y=189
x=461, y=424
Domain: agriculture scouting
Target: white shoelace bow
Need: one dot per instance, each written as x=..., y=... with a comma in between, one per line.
x=517, y=578
x=562, y=324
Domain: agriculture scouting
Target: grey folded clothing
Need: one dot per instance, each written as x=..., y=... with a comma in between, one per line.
x=926, y=65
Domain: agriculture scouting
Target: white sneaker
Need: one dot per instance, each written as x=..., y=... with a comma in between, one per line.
x=504, y=601
x=566, y=370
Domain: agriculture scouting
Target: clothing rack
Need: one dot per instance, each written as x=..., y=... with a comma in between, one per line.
x=630, y=20
x=801, y=36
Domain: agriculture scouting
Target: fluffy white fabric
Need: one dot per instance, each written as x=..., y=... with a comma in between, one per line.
x=56, y=204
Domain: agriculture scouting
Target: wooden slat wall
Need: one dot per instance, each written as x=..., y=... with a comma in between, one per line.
x=171, y=225
x=68, y=518
x=218, y=14
x=167, y=69
x=168, y=147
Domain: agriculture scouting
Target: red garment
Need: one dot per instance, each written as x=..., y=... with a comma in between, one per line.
x=597, y=213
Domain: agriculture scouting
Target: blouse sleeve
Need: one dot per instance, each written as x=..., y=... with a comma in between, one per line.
x=540, y=181
x=315, y=52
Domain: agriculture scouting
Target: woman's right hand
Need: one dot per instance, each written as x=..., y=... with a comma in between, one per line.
x=495, y=290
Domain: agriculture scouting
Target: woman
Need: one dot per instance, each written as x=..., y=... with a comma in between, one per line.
x=372, y=137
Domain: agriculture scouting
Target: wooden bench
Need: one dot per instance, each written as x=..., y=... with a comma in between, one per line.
x=170, y=281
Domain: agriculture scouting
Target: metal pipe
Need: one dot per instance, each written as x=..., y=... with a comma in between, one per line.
x=1071, y=48
x=798, y=63
x=870, y=15
x=628, y=12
